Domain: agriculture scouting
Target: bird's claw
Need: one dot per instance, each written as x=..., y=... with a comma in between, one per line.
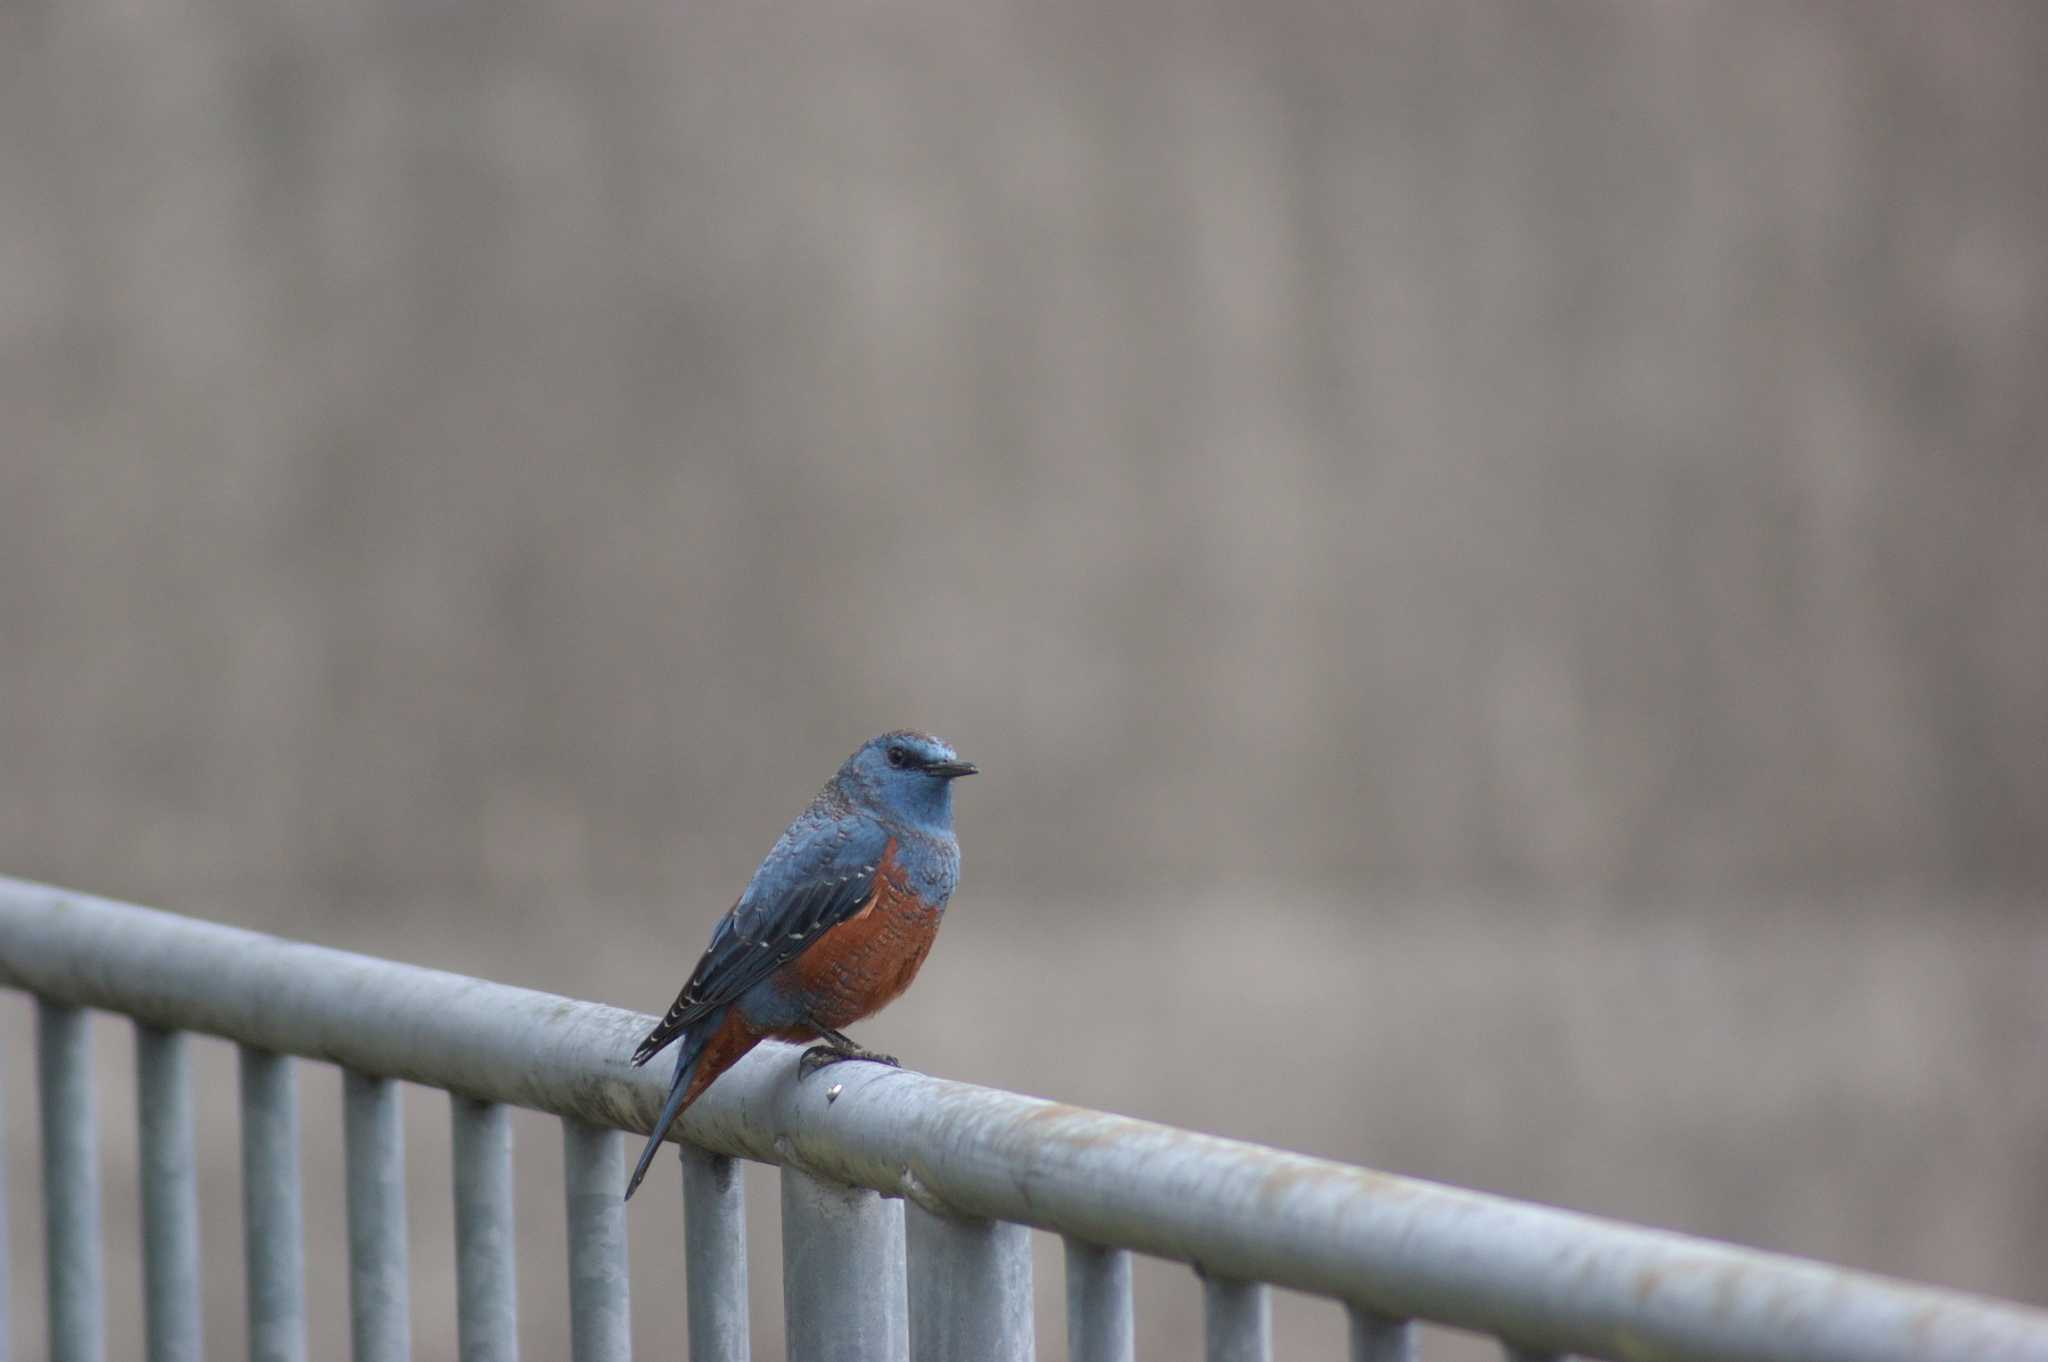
x=821, y=1056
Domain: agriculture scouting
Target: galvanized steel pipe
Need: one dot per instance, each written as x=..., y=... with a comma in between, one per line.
x=1397, y=1246
x=486, y=1264
x=379, y=1285
x=1100, y=1325
x=6, y=1276
x=715, y=1256
x=71, y=1184
x=273, y=1211
x=1237, y=1321
x=842, y=1273
x=600, y=1315
x=170, y=1197
x=1375, y=1338
x=970, y=1289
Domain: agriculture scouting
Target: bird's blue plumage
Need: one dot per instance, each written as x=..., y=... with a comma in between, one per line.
x=891, y=801
x=818, y=874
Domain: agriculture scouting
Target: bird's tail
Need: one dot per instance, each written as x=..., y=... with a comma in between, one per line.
x=687, y=1055
x=712, y=1046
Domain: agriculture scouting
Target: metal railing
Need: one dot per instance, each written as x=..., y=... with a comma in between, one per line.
x=905, y=1199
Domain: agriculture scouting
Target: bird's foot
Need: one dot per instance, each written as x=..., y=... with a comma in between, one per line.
x=819, y=1056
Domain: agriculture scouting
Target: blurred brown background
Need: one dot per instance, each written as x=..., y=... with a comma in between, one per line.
x=1495, y=558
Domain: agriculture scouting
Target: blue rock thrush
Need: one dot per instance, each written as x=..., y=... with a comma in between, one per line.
x=831, y=929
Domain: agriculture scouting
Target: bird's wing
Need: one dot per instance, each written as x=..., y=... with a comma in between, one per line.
x=818, y=875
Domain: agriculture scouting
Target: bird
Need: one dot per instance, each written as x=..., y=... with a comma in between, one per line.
x=831, y=929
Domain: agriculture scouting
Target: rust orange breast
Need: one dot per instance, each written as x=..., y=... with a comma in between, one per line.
x=862, y=965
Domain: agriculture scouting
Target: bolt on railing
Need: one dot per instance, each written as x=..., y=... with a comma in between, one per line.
x=906, y=1200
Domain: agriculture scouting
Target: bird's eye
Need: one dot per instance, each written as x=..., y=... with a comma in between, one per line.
x=898, y=756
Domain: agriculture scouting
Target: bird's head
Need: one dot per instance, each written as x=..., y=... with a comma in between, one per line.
x=907, y=776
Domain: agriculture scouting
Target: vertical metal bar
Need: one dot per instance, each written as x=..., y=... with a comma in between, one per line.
x=970, y=1288
x=1099, y=1320
x=843, y=1294
x=1238, y=1319
x=379, y=1312
x=715, y=1256
x=170, y=1196
x=273, y=1221
x=486, y=1273
x=1378, y=1338
x=71, y=1183
x=600, y=1315
x=6, y=1276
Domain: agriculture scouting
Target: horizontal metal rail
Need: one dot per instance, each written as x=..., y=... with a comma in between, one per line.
x=1391, y=1248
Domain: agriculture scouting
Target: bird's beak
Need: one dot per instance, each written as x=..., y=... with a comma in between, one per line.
x=947, y=770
